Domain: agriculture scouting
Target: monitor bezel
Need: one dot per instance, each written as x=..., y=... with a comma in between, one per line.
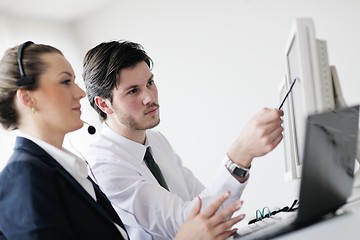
x=308, y=94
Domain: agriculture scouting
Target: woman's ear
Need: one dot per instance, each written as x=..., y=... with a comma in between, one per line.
x=104, y=105
x=25, y=98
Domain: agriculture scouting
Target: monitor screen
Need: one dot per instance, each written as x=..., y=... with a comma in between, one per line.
x=307, y=64
x=290, y=169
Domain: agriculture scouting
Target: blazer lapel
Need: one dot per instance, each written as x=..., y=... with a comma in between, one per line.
x=102, y=204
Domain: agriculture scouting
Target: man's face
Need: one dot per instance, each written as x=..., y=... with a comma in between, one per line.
x=135, y=101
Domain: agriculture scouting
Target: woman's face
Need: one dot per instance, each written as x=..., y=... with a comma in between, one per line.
x=57, y=99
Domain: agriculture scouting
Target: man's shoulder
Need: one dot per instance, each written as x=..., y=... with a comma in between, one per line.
x=158, y=141
x=101, y=148
x=101, y=141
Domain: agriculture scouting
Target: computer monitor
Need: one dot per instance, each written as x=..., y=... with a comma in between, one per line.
x=313, y=92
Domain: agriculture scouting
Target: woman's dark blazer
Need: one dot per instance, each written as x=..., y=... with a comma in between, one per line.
x=39, y=199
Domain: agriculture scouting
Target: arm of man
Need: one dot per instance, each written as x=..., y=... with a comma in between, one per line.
x=261, y=135
x=142, y=203
x=175, y=173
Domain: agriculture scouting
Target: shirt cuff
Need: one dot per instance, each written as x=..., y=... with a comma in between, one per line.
x=225, y=181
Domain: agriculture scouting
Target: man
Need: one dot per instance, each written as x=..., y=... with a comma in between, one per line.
x=121, y=88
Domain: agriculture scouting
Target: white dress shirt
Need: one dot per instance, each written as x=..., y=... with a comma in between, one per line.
x=147, y=210
x=73, y=165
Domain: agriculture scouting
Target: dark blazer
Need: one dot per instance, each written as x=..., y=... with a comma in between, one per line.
x=39, y=199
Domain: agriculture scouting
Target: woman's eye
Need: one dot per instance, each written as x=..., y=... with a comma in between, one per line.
x=66, y=82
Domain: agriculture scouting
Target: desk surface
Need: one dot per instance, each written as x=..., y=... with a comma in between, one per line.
x=345, y=226
x=342, y=227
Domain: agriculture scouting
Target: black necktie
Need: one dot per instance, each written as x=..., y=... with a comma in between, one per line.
x=154, y=168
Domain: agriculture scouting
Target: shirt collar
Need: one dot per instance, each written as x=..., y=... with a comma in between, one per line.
x=134, y=148
x=73, y=164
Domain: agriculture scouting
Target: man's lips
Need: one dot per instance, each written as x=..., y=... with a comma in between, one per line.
x=151, y=110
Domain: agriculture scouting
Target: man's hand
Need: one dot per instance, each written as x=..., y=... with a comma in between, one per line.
x=260, y=136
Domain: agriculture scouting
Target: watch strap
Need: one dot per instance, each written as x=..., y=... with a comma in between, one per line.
x=235, y=168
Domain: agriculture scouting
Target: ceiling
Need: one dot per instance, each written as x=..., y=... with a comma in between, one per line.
x=53, y=10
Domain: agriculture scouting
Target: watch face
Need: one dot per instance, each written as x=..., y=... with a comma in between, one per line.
x=240, y=172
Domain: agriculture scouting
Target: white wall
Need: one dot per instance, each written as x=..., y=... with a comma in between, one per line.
x=216, y=64
x=219, y=62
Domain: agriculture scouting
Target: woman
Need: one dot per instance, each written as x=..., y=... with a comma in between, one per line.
x=45, y=192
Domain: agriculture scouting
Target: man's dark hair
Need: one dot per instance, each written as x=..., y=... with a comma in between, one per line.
x=102, y=65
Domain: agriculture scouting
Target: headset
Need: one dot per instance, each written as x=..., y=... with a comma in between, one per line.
x=24, y=80
x=91, y=129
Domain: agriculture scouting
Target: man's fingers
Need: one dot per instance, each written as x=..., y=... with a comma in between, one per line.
x=211, y=210
x=224, y=215
x=227, y=224
x=196, y=209
x=226, y=234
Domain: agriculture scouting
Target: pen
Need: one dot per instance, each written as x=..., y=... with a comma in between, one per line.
x=287, y=94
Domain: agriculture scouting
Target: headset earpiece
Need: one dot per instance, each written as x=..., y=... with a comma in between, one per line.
x=24, y=80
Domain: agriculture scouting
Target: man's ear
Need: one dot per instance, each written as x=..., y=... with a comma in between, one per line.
x=25, y=98
x=103, y=105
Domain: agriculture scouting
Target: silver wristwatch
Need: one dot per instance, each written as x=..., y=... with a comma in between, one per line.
x=235, y=168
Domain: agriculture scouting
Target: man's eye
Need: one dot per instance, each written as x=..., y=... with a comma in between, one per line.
x=132, y=91
x=150, y=82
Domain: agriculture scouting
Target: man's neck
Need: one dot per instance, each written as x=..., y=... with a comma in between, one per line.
x=131, y=134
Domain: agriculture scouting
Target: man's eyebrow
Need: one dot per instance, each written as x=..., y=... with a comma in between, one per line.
x=136, y=85
x=132, y=86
